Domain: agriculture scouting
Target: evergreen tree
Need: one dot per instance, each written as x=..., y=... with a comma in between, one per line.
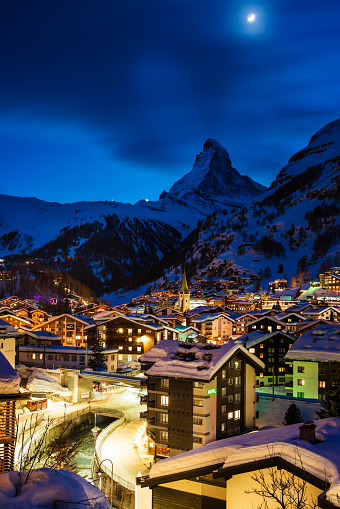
x=292, y=415
x=97, y=361
x=331, y=404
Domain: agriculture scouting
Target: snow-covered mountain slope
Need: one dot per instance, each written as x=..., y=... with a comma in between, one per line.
x=293, y=226
x=118, y=239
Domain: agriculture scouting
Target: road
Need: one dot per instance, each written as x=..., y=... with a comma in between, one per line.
x=120, y=447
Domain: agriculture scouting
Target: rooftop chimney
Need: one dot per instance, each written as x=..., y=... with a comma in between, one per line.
x=307, y=432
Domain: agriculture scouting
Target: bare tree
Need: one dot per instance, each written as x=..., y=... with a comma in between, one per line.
x=281, y=489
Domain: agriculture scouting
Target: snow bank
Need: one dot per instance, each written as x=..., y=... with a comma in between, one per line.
x=40, y=381
x=47, y=489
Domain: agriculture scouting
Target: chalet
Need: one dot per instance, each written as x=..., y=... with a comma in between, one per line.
x=215, y=327
x=131, y=337
x=314, y=362
x=197, y=393
x=223, y=473
x=270, y=348
x=70, y=328
x=330, y=313
x=8, y=337
x=17, y=321
x=330, y=280
x=265, y=324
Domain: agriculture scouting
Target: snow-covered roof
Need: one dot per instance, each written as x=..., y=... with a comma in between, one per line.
x=9, y=380
x=258, y=336
x=319, y=344
x=322, y=459
x=7, y=330
x=204, y=318
x=200, y=361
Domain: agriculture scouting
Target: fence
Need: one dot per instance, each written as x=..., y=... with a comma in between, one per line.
x=99, y=461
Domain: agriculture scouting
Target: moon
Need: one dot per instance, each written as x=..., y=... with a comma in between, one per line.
x=251, y=17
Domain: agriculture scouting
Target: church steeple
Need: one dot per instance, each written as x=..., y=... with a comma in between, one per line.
x=184, y=287
x=184, y=296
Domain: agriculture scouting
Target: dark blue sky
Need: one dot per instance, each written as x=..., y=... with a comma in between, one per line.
x=101, y=99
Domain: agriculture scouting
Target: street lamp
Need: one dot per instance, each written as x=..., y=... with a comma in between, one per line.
x=111, y=491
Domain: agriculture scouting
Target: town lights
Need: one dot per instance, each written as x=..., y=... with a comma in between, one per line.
x=141, y=437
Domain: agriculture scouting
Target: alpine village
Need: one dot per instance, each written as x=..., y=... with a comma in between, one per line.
x=182, y=353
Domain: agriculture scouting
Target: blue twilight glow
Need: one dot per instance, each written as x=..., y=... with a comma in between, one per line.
x=113, y=100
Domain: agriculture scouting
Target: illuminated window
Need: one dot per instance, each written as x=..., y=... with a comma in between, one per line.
x=300, y=381
x=165, y=400
x=230, y=415
x=129, y=331
x=120, y=330
x=120, y=357
x=40, y=356
x=120, y=348
x=198, y=402
x=198, y=385
x=130, y=348
x=33, y=355
x=224, y=373
x=237, y=380
x=261, y=375
x=198, y=421
x=164, y=435
x=164, y=418
x=281, y=370
x=223, y=426
x=230, y=381
x=129, y=358
x=251, y=350
x=237, y=414
x=138, y=340
x=139, y=348
x=322, y=384
x=261, y=345
x=223, y=391
x=130, y=339
x=165, y=383
x=261, y=355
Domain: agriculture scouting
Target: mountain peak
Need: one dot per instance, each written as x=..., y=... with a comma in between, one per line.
x=213, y=177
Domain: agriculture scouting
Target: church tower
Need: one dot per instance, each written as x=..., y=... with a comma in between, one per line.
x=184, y=296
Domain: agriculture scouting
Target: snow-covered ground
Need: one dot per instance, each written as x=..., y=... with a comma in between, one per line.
x=272, y=412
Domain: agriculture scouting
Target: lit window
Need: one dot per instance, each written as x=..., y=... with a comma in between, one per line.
x=237, y=380
x=120, y=357
x=120, y=348
x=78, y=337
x=164, y=418
x=33, y=355
x=198, y=402
x=40, y=356
x=223, y=426
x=198, y=421
x=230, y=415
x=129, y=331
x=120, y=330
x=322, y=384
x=300, y=381
x=230, y=381
x=139, y=331
x=198, y=385
x=237, y=414
x=165, y=383
x=130, y=339
x=224, y=373
x=138, y=340
x=281, y=370
x=164, y=435
x=223, y=391
x=251, y=350
x=139, y=348
x=261, y=375
x=261, y=355
x=261, y=345
x=130, y=348
x=129, y=358
x=165, y=400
